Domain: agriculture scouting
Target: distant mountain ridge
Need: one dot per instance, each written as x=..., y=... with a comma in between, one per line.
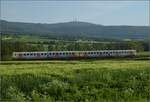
x=77, y=29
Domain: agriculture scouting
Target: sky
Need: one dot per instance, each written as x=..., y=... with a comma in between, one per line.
x=98, y=12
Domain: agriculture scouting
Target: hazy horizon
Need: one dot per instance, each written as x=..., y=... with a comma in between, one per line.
x=131, y=13
x=70, y=22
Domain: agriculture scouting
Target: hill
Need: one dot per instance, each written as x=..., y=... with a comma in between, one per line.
x=76, y=29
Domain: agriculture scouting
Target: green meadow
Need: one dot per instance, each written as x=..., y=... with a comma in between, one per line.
x=108, y=80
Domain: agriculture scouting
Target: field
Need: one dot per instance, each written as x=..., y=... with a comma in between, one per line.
x=85, y=80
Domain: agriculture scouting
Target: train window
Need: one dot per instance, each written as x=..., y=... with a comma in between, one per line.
x=27, y=54
x=24, y=54
x=49, y=53
x=31, y=54
x=34, y=54
x=41, y=53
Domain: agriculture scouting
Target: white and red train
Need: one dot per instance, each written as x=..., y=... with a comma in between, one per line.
x=72, y=54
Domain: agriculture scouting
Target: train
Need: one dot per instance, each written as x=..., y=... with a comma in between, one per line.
x=72, y=54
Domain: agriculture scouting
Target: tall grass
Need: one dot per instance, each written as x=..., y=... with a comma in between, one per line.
x=101, y=81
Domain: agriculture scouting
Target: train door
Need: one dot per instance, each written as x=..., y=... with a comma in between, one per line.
x=19, y=55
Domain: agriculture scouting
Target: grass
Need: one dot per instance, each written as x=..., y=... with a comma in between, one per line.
x=84, y=80
x=144, y=54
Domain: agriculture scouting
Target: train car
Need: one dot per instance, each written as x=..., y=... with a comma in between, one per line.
x=72, y=54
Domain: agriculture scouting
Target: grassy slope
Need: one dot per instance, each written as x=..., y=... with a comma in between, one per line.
x=92, y=80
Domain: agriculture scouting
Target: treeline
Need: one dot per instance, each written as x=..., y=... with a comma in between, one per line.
x=8, y=47
x=137, y=45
